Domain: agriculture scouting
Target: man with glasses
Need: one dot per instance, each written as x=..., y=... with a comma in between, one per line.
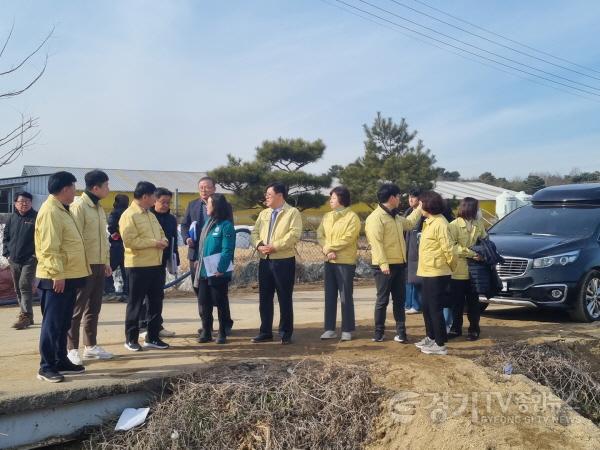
x=19, y=248
x=275, y=235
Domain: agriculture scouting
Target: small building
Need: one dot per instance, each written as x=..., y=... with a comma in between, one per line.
x=34, y=179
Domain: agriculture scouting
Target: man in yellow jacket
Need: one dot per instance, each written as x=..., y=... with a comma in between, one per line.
x=385, y=229
x=91, y=219
x=62, y=269
x=275, y=234
x=144, y=241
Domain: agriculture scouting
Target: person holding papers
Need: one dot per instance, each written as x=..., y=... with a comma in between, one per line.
x=214, y=267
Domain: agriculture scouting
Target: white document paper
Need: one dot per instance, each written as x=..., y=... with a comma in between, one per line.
x=211, y=263
x=131, y=417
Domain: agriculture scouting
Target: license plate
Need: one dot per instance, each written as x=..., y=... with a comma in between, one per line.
x=505, y=286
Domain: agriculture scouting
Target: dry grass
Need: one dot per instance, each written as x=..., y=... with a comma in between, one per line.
x=270, y=405
x=553, y=365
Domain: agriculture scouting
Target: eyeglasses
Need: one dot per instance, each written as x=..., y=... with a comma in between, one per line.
x=23, y=202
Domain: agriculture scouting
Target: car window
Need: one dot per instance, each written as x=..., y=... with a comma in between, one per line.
x=563, y=221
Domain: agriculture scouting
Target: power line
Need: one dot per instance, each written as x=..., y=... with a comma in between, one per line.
x=447, y=36
x=465, y=50
x=504, y=37
x=423, y=41
x=493, y=41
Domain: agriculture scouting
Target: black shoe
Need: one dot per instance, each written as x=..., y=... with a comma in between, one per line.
x=453, y=334
x=221, y=339
x=262, y=338
x=204, y=337
x=68, y=368
x=472, y=336
x=286, y=341
x=227, y=331
x=50, y=376
x=378, y=336
x=133, y=346
x=156, y=343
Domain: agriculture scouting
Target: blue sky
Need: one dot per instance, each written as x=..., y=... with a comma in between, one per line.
x=176, y=85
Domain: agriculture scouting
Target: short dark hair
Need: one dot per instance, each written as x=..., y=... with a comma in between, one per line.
x=23, y=194
x=415, y=192
x=279, y=188
x=343, y=195
x=143, y=188
x=95, y=178
x=221, y=208
x=467, y=208
x=121, y=201
x=387, y=190
x=161, y=191
x=207, y=178
x=60, y=180
x=432, y=202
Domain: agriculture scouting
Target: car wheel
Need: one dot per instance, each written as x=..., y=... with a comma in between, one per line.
x=587, y=306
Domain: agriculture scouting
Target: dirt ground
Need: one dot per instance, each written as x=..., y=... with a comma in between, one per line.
x=436, y=402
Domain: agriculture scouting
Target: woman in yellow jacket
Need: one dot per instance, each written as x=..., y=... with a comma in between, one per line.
x=338, y=236
x=437, y=260
x=464, y=232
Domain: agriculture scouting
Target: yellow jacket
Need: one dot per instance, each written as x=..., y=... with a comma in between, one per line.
x=91, y=219
x=58, y=243
x=285, y=235
x=338, y=232
x=437, y=256
x=386, y=236
x=140, y=230
x=463, y=239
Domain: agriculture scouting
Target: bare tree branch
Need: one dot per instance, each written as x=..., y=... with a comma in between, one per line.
x=39, y=75
x=39, y=47
x=16, y=141
x=7, y=38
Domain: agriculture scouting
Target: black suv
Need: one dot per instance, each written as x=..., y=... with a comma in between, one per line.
x=552, y=252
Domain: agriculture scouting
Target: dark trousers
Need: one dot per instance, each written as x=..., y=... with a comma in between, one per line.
x=462, y=293
x=144, y=308
x=276, y=275
x=144, y=281
x=57, y=311
x=338, y=279
x=393, y=284
x=117, y=260
x=87, y=309
x=226, y=311
x=23, y=276
x=435, y=297
x=210, y=296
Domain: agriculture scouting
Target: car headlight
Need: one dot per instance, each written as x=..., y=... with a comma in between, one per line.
x=556, y=260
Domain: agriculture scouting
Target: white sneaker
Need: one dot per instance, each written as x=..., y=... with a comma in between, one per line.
x=329, y=334
x=96, y=352
x=435, y=349
x=166, y=333
x=425, y=342
x=397, y=338
x=412, y=311
x=346, y=336
x=74, y=357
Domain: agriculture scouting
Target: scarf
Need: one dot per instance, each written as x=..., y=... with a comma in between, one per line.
x=205, y=230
